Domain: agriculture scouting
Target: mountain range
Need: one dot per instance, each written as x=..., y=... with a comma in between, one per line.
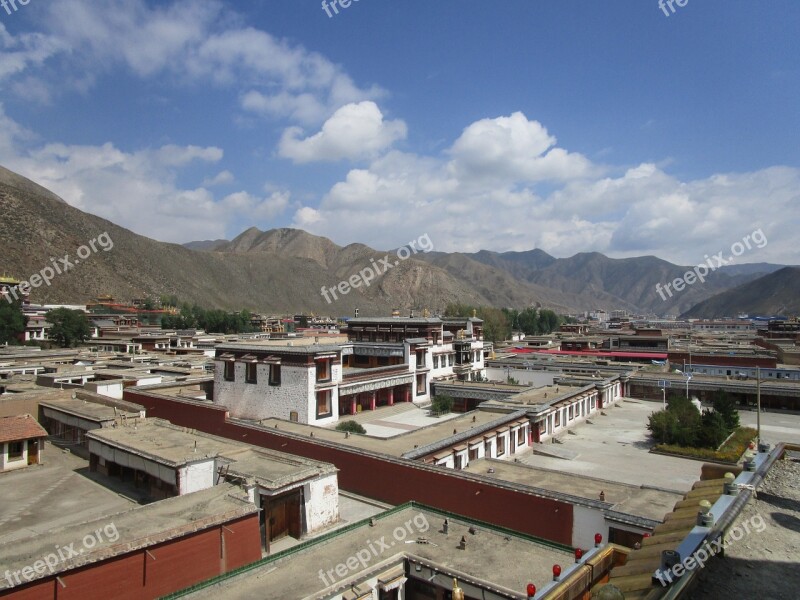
x=283, y=270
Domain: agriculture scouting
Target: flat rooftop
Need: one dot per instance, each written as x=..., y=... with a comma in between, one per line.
x=639, y=501
x=484, y=385
x=143, y=526
x=163, y=442
x=322, y=342
x=91, y=411
x=55, y=494
x=275, y=469
x=547, y=394
x=160, y=441
x=398, y=444
x=486, y=557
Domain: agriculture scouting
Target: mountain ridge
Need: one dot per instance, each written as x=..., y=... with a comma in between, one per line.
x=285, y=269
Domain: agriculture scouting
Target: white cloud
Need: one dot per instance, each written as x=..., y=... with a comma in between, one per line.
x=514, y=148
x=494, y=188
x=137, y=190
x=354, y=131
x=221, y=178
x=193, y=41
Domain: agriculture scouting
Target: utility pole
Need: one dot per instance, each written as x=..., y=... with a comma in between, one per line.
x=758, y=404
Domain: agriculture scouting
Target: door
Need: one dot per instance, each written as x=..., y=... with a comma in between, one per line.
x=33, y=452
x=284, y=515
x=277, y=520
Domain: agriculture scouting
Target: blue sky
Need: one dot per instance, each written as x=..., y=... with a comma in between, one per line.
x=570, y=126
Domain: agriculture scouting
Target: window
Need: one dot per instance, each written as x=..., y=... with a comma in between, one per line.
x=324, y=404
x=420, y=359
x=558, y=418
x=324, y=370
x=230, y=371
x=435, y=362
x=521, y=436
x=452, y=359
x=15, y=450
x=473, y=453
x=422, y=385
x=251, y=373
x=274, y=374
x=501, y=445
x=487, y=449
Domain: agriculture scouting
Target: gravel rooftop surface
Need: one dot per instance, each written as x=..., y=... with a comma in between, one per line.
x=763, y=565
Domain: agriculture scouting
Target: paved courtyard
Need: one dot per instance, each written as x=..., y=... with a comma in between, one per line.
x=615, y=447
x=389, y=421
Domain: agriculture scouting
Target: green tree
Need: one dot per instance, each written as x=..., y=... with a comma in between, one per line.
x=678, y=424
x=69, y=327
x=726, y=407
x=495, y=326
x=662, y=425
x=169, y=300
x=12, y=321
x=351, y=426
x=713, y=430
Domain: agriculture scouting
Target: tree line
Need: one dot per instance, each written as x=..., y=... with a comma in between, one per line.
x=212, y=320
x=498, y=323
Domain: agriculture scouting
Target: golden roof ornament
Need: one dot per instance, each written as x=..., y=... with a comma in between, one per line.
x=458, y=593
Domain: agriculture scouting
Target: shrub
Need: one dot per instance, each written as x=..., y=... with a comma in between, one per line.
x=351, y=426
x=731, y=451
x=442, y=404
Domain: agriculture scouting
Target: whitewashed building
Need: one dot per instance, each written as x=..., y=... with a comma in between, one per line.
x=297, y=495
x=316, y=381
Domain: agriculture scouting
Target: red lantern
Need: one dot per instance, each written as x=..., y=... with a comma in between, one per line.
x=556, y=572
x=578, y=554
x=598, y=539
x=647, y=535
x=531, y=590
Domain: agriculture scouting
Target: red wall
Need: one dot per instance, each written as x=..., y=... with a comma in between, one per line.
x=723, y=360
x=385, y=478
x=178, y=564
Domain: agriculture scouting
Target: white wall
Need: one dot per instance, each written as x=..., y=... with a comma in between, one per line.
x=322, y=502
x=11, y=465
x=195, y=477
x=261, y=400
x=525, y=377
x=585, y=523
